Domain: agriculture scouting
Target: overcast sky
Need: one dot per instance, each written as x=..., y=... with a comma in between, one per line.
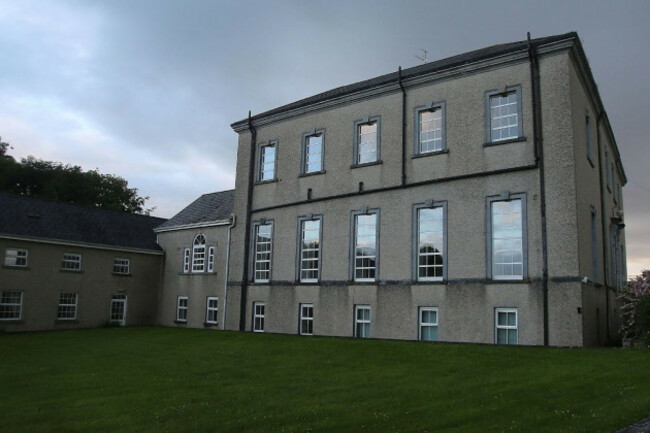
x=147, y=89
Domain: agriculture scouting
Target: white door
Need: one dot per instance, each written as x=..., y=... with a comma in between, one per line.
x=118, y=309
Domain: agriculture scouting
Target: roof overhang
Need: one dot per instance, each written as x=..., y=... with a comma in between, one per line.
x=216, y=223
x=67, y=243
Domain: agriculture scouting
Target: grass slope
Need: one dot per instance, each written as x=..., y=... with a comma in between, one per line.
x=175, y=380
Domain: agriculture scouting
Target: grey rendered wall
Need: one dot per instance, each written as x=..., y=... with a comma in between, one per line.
x=43, y=281
x=196, y=286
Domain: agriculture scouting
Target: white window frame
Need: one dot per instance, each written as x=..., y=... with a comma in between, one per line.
x=356, y=272
x=121, y=266
x=590, y=149
x=182, y=306
x=116, y=299
x=362, y=327
x=507, y=327
x=16, y=257
x=260, y=256
x=440, y=136
x=358, y=127
x=198, y=253
x=417, y=237
x=212, y=310
x=259, y=314
x=422, y=324
x=491, y=120
x=306, y=319
x=307, y=148
x=8, y=305
x=211, y=259
x=267, y=169
x=187, y=260
x=65, y=306
x=302, y=251
x=71, y=262
x=491, y=274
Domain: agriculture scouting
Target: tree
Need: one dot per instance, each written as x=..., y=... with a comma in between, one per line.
x=635, y=308
x=67, y=183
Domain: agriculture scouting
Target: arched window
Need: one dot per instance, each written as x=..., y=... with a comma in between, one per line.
x=198, y=253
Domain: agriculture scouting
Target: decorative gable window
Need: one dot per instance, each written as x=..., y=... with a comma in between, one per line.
x=16, y=257
x=198, y=254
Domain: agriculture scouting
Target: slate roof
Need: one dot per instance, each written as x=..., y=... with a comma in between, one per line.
x=37, y=218
x=450, y=62
x=207, y=208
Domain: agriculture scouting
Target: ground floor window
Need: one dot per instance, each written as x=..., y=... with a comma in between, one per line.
x=306, y=319
x=67, y=306
x=258, y=316
x=428, y=324
x=362, y=321
x=506, y=326
x=118, y=309
x=181, y=309
x=11, y=305
x=211, y=310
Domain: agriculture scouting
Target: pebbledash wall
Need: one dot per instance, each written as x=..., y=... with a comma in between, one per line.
x=472, y=199
x=547, y=275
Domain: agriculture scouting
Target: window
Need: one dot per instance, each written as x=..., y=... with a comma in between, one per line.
x=211, y=259
x=306, y=319
x=181, y=309
x=258, y=317
x=118, y=309
x=198, y=253
x=67, y=306
x=71, y=262
x=11, y=305
x=507, y=237
x=267, y=161
x=430, y=241
x=362, y=321
x=16, y=257
x=367, y=138
x=211, y=310
x=428, y=318
x=121, y=266
x=313, y=149
x=590, y=150
x=505, y=326
x=309, y=249
x=365, y=251
x=594, y=245
x=430, y=129
x=614, y=187
x=503, y=111
x=607, y=173
x=186, y=260
x=263, y=240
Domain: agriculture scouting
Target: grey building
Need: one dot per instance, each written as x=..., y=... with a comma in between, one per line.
x=472, y=199
x=68, y=266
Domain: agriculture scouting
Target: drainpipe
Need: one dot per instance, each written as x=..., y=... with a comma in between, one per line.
x=401, y=86
x=603, y=222
x=539, y=159
x=227, y=273
x=247, y=226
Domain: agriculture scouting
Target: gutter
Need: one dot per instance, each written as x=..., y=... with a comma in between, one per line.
x=225, y=281
x=247, y=224
x=539, y=160
x=193, y=226
x=401, y=86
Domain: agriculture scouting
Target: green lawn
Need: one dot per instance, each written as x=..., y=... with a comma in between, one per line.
x=157, y=379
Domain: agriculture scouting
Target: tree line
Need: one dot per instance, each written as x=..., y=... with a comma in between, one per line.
x=67, y=183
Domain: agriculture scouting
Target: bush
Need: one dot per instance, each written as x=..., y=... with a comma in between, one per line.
x=635, y=309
